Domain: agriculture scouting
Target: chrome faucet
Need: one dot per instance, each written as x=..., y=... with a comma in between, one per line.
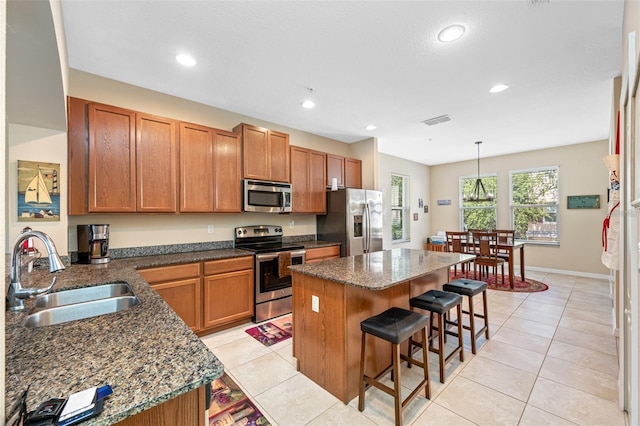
x=16, y=293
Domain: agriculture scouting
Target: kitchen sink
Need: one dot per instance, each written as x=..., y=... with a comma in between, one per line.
x=82, y=310
x=81, y=295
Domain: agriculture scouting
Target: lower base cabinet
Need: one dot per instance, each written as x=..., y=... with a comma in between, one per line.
x=207, y=296
x=186, y=409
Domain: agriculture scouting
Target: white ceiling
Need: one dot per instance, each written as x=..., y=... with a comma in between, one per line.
x=372, y=62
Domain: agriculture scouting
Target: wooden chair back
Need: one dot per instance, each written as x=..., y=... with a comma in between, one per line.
x=505, y=236
x=457, y=242
x=485, y=244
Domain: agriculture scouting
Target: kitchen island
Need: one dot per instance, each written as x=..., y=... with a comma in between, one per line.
x=146, y=353
x=331, y=298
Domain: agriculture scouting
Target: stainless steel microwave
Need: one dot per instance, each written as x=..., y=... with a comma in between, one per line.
x=267, y=197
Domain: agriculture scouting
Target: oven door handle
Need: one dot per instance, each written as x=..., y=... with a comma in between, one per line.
x=266, y=256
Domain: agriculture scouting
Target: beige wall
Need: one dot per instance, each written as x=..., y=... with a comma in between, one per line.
x=582, y=172
x=418, y=187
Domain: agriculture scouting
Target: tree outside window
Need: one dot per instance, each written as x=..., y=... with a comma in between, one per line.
x=534, y=204
x=399, y=208
x=478, y=214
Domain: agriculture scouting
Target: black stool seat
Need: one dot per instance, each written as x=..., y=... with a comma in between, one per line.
x=394, y=325
x=465, y=286
x=436, y=301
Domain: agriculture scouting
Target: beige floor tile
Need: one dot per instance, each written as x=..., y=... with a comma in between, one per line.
x=227, y=336
x=586, y=326
x=411, y=377
x=286, y=352
x=547, y=299
x=601, y=307
x=436, y=415
x=523, y=340
x=538, y=316
x=296, y=401
x=603, y=344
x=480, y=404
x=500, y=377
x=588, y=298
x=595, y=316
x=513, y=356
x=574, y=405
x=240, y=351
x=340, y=414
x=533, y=416
x=531, y=327
x=587, y=380
x=584, y=357
x=263, y=373
x=543, y=307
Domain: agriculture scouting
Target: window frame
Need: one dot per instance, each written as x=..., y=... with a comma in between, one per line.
x=462, y=208
x=513, y=207
x=404, y=208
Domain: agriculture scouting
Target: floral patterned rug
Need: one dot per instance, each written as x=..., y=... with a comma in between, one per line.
x=526, y=286
x=272, y=332
x=231, y=406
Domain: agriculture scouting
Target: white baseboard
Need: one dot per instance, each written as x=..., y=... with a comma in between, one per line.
x=567, y=272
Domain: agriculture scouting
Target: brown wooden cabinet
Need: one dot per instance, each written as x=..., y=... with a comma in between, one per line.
x=156, y=163
x=228, y=291
x=265, y=153
x=322, y=253
x=210, y=179
x=208, y=296
x=347, y=171
x=308, y=180
x=181, y=287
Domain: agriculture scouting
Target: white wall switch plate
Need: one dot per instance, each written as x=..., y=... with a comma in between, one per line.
x=315, y=303
x=210, y=229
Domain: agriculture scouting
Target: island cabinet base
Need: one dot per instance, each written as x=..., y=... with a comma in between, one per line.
x=326, y=343
x=185, y=409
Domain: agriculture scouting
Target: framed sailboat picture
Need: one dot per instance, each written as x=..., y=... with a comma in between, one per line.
x=38, y=191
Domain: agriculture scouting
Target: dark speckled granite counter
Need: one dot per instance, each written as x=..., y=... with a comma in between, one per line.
x=383, y=269
x=146, y=353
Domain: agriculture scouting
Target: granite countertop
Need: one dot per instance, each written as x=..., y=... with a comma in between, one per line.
x=146, y=353
x=383, y=269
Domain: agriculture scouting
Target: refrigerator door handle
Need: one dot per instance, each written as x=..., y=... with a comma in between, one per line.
x=367, y=229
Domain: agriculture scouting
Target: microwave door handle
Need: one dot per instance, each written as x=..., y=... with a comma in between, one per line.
x=283, y=200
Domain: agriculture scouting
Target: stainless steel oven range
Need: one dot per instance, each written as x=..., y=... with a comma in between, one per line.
x=272, y=276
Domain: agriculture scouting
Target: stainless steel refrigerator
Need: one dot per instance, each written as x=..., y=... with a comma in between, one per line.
x=354, y=219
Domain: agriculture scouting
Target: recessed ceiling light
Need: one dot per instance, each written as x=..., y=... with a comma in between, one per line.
x=370, y=127
x=308, y=104
x=451, y=33
x=499, y=88
x=186, y=60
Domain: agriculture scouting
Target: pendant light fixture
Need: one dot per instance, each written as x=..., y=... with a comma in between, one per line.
x=478, y=193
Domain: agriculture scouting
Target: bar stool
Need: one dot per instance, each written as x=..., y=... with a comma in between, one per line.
x=439, y=303
x=395, y=325
x=469, y=288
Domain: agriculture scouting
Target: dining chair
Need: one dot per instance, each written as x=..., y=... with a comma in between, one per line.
x=485, y=244
x=505, y=236
x=458, y=242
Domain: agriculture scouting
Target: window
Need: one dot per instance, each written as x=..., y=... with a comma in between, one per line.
x=399, y=208
x=534, y=205
x=478, y=214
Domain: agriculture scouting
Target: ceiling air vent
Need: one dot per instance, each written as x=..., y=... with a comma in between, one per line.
x=437, y=120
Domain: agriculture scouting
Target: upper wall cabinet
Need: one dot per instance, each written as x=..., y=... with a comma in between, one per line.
x=308, y=180
x=120, y=161
x=265, y=153
x=346, y=171
x=210, y=179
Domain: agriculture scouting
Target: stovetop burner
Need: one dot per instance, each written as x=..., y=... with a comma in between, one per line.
x=262, y=239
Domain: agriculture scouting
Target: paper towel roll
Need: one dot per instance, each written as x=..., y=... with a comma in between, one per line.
x=334, y=184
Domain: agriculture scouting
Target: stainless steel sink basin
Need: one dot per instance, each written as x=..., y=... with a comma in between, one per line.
x=82, y=310
x=81, y=295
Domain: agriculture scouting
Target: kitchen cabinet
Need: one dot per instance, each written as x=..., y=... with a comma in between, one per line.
x=322, y=253
x=181, y=287
x=347, y=171
x=228, y=291
x=210, y=179
x=308, y=168
x=120, y=161
x=265, y=153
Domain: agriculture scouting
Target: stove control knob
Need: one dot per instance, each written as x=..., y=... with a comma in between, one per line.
x=279, y=230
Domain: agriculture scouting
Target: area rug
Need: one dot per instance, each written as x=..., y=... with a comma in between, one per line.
x=231, y=406
x=526, y=286
x=272, y=332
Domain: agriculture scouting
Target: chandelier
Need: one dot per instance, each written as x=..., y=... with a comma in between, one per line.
x=478, y=193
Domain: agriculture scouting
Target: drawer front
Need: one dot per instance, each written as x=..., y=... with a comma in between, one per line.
x=322, y=253
x=213, y=267
x=170, y=273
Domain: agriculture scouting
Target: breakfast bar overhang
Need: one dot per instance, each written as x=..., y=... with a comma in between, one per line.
x=331, y=298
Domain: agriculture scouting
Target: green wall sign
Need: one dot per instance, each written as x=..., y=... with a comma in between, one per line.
x=583, y=201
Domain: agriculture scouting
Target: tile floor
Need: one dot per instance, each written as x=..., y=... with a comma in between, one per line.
x=551, y=360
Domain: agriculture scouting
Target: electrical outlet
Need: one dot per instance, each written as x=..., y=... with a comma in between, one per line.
x=292, y=223
x=210, y=229
x=315, y=303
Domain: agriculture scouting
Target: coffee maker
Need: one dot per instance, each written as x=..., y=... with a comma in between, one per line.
x=93, y=243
